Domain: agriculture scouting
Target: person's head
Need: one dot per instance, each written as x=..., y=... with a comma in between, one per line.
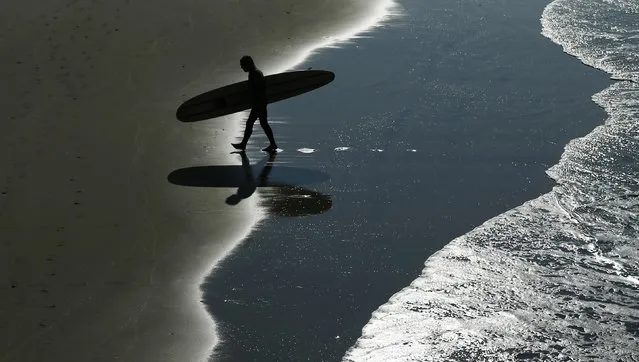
x=247, y=63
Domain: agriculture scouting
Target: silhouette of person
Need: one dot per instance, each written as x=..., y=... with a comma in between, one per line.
x=248, y=186
x=257, y=88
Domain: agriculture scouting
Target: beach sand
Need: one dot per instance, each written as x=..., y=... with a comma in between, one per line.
x=102, y=258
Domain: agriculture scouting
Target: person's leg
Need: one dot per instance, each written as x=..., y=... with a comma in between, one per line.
x=267, y=128
x=247, y=131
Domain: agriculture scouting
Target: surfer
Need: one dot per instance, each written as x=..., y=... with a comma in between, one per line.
x=257, y=87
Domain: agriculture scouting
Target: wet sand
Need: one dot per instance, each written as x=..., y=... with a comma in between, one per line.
x=442, y=120
x=102, y=257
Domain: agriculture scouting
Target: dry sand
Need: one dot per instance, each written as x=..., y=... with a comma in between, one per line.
x=101, y=257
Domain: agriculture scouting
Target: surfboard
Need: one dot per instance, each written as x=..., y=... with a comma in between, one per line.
x=236, y=97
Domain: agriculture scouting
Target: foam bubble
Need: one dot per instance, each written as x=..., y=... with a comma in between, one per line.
x=306, y=150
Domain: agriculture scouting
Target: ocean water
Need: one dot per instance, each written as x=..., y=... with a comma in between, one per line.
x=557, y=278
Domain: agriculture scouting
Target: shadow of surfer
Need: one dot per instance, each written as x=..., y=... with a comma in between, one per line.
x=257, y=88
x=250, y=184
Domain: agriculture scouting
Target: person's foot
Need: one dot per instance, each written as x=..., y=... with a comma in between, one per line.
x=239, y=146
x=271, y=148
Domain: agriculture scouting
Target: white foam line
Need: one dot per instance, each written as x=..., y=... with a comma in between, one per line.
x=208, y=325
x=380, y=12
x=343, y=149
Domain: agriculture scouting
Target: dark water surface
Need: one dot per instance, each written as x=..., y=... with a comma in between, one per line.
x=470, y=105
x=555, y=279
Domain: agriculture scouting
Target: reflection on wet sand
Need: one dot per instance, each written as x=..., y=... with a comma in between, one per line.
x=294, y=201
x=281, y=192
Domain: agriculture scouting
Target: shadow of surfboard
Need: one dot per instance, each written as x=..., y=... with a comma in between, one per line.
x=236, y=97
x=235, y=176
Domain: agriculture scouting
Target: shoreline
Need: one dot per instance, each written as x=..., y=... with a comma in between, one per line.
x=382, y=11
